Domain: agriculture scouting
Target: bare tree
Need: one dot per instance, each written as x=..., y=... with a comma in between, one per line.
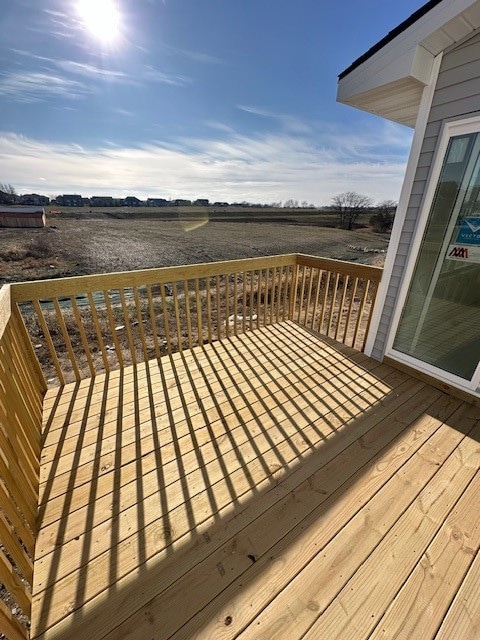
x=349, y=206
x=8, y=194
x=8, y=188
x=382, y=219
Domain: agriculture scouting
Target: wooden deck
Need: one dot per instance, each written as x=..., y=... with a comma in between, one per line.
x=272, y=485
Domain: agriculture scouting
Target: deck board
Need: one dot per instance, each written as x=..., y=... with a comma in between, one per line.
x=246, y=487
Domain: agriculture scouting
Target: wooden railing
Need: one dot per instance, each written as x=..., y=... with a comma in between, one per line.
x=90, y=324
x=82, y=326
x=22, y=388
x=335, y=298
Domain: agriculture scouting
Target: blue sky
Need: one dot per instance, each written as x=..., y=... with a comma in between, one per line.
x=224, y=99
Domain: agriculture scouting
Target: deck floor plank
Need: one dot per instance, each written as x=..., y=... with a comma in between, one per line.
x=463, y=618
x=357, y=608
x=423, y=601
x=320, y=561
x=206, y=484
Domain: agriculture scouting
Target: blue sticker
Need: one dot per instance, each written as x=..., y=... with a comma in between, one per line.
x=469, y=232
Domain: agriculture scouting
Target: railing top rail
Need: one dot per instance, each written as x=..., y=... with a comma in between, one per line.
x=342, y=266
x=5, y=307
x=26, y=291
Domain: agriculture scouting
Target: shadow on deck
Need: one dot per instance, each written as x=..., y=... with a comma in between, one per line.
x=273, y=485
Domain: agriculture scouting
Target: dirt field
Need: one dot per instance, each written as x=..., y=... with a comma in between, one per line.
x=76, y=245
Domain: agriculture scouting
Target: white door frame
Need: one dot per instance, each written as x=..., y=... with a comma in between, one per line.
x=449, y=129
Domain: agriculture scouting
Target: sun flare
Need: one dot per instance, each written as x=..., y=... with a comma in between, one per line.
x=101, y=18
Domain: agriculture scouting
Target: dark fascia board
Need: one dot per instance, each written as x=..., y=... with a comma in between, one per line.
x=390, y=36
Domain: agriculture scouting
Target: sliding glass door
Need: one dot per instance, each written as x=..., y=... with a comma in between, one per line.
x=439, y=326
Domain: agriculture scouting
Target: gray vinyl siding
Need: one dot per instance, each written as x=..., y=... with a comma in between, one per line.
x=457, y=94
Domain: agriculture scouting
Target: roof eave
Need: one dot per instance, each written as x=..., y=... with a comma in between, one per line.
x=389, y=79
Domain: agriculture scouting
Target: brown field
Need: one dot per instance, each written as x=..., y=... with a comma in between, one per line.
x=100, y=241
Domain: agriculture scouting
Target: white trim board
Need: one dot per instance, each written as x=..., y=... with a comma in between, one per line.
x=404, y=200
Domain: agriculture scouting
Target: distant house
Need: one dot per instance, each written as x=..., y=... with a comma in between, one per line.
x=86, y=202
x=202, y=202
x=102, y=201
x=157, y=202
x=132, y=201
x=180, y=203
x=22, y=217
x=33, y=199
x=70, y=200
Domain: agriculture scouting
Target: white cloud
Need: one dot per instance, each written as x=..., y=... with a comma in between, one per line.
x=196, y=56
x=219, y=126
x=89, y=70
x=145, y=73
x=37, y=86
x=289, y=123
x=155, y=75
x=234, y=168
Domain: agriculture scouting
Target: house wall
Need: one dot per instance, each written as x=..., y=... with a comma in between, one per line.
x=457, y=94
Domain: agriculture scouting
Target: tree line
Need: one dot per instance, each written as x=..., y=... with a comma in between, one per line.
x=350, y=204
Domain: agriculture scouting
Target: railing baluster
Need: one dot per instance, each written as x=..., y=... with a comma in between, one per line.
x=324, y=301
x=265, y=297
x=98, y=331
x=342, y=304
x=128, y=328
x=165, y=319
x=83, y=335
x=279, y=293
x=227, y=305
x=66, y=338
x=187, y=312
x=293, y=291
x=199, y=312
x=316, y=297
x=209, y=310
x=177, y=317
x=48, y=338
x=113, y=331
x=372, y=304
x=285, y=293
x=217, y=298
x=302, y=293
x=138, y=308
x=332, y=303
x=350, y=309
x=244, y=301
x=273, y=285
x=309, y=295
x=259, y=295
x=361, y=309
x=251, y=299
x=153, y=320
x=235, y=303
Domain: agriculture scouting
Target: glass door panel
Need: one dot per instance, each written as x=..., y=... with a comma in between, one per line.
x=440, y=322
